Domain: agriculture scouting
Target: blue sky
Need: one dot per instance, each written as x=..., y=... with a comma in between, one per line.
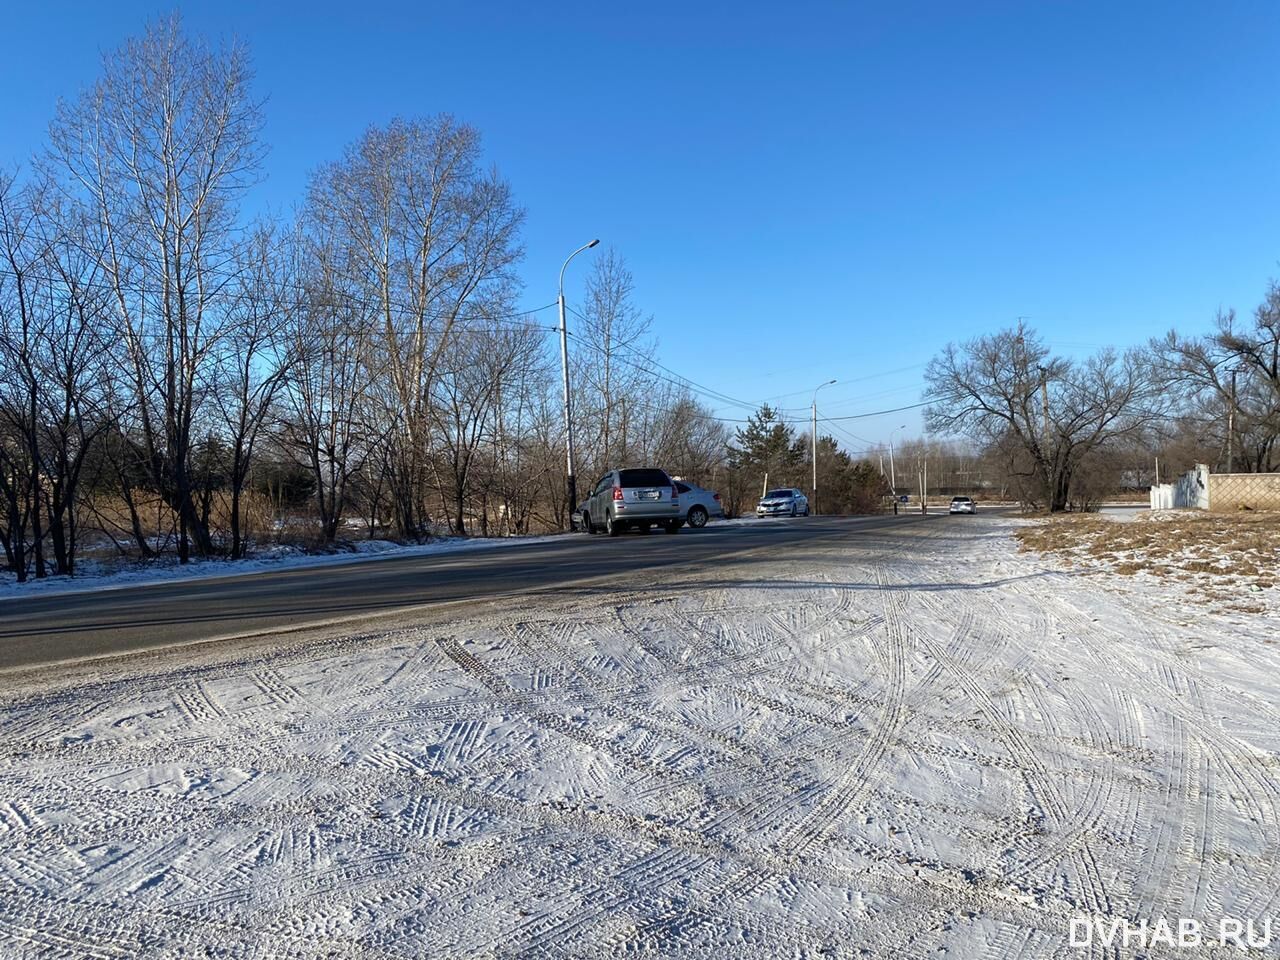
x=806, y=190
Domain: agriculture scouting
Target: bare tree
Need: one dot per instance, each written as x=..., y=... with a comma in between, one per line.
x=161, y=147
x=74, y=369
x=52, y=306
x=1229, y=385
x=613, y=388
x=327, y=389
x=518, y=462
x=254, y=358
x=685, y=437
x=1005, y=389
x=479, y=366
x=21, y=320
x=425, y=232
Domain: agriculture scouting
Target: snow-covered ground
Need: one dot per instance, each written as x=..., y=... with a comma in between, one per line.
x=1225, y=563
x=912, y=745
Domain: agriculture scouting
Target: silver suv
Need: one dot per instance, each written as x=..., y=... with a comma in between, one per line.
x=636, y=498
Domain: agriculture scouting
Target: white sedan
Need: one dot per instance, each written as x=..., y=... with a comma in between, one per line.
x=698, y=504
x=787, y=502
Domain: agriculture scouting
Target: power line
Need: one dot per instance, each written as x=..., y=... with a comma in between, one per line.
x=682, y=383
x=785, y=420
x=846, y=382
x=703, y=388
x=848, y=433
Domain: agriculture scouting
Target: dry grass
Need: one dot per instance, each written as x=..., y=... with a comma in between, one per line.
x=1229, y=559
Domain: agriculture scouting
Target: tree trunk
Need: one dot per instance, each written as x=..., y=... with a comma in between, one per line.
x=57, y=529
x=1060, y=490
x=236, y=541
x=459, y=500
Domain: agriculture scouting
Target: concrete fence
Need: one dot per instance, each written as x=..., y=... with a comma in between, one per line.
x=1189, y=490
x=1201, y=490
x=1244, y=491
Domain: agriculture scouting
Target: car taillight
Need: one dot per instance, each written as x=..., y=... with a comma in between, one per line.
x=715, y=496
x=675, y=494
x=617, y=493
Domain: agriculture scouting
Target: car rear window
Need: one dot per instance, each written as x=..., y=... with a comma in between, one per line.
x=777, y=495
x=959, y=499
x=643, y=478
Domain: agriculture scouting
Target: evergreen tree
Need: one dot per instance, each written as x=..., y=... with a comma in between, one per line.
x=765, y=446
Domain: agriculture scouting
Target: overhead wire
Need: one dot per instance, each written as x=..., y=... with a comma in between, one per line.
x=703, y=388
x=682, y=382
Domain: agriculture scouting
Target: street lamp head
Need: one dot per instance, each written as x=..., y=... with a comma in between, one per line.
x=585, y=246
x=819, y=387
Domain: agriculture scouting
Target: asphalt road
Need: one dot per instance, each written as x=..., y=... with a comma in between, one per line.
x=77, y=626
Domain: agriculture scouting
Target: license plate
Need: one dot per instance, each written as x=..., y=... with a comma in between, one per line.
x=648, y=494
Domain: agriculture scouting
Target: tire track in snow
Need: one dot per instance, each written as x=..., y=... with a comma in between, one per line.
x=1255, y=790
x=832, y=801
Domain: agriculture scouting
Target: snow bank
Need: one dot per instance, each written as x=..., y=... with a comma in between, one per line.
x=278, y=557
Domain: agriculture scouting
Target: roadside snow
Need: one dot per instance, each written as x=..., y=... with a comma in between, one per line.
x=280, y=557
x=1228, y=563
x=909, y=743
x=269, y=558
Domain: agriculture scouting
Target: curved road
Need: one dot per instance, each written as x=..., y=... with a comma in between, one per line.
x=74, y=626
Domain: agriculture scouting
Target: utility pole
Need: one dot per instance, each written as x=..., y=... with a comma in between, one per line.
x=1020, y=366
x=1044, y=397
x=572, y=484
x=813, y=506
x=1231, y=424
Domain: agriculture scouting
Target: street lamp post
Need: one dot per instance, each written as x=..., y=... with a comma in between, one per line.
x=813, y=507
x=568, y=409
x=893, y=476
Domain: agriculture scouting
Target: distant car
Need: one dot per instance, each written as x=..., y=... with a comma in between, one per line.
x=963, y=505
x=637, y=498
x=698, y=504
x=787, y=502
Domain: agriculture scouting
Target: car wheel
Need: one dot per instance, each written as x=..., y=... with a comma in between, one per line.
x=646, y=528
x=793, y=509
x=611, y=526
x=586, y=523
x=806, y=510
x=698, y=517
x=673, y=526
